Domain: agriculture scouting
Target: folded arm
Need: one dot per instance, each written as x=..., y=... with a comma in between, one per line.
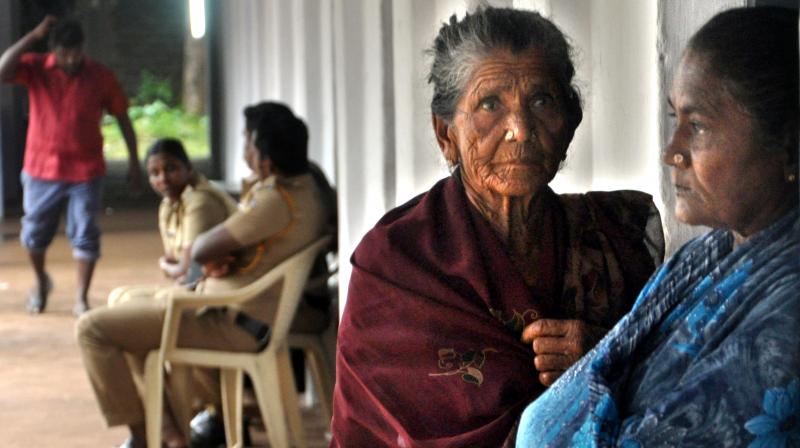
x=214, y=250
x=176, y=268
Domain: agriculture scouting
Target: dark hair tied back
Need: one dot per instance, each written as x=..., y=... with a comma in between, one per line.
x=282, y=137
x=755, y=52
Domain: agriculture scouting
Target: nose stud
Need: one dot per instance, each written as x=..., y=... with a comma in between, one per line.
x=677, y=159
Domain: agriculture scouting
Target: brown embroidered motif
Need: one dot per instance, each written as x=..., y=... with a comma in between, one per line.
x=467, y=365
x=517, y=321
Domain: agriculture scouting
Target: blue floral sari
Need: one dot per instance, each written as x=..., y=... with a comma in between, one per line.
x=708, y=356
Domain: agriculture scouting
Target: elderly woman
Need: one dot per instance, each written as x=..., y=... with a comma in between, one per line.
x=429, y=347
x=709, y=355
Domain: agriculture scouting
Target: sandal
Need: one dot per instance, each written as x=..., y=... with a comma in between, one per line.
x=37, y=300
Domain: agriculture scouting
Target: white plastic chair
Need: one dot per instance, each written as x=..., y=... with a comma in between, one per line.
x=269, y=369
x=319, y=364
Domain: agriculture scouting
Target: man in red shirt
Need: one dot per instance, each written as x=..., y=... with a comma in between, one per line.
x=64, y=164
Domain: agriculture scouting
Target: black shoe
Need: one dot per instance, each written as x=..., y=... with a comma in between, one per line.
x=131, y=443
x=207, y=430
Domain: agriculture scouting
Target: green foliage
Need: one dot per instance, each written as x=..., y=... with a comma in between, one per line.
x=152, y=89
x=154, y=118
x=154, y=121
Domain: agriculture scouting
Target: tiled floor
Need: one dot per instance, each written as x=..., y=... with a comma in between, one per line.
x=45, y=397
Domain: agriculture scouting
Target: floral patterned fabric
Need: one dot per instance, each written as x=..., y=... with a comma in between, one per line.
x=709, y=356
x=429, y=351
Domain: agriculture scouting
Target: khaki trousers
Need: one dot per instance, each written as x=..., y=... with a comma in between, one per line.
x=107, y=335
x=205, y=388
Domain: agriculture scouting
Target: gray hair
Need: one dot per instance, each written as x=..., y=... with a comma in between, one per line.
x=462, y=45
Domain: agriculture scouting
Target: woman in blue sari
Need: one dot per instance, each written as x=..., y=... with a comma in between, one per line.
x=709, y=355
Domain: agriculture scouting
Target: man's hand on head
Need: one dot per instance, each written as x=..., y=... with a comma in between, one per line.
x=41, y=30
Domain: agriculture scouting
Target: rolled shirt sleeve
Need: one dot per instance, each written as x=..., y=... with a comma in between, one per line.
x=264, y=214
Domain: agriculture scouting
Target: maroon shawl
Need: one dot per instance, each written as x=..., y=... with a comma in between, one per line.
x=429, y=350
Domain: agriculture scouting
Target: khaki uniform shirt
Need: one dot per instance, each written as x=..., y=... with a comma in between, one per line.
x=277, y=217
x=200, y=207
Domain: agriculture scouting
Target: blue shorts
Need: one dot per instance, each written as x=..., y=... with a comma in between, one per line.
x=43, y=202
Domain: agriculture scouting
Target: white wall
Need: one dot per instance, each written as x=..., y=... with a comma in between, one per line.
x=280, y=51
x=360, y=122
x=616, y=145
x=386, y=151
x=625, y=96
x=574, y=18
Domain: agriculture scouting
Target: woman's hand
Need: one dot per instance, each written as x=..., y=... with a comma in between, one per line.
x=558, y=344
x=219, y=267
x=165, y=263
x=170, y=267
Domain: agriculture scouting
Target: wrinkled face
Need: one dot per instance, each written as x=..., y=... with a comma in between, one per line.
x=69, y=59
x=168, y=175
x=722, y=177
x=508, y=132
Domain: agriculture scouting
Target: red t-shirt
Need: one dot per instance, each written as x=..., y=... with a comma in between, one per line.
x=64, y=141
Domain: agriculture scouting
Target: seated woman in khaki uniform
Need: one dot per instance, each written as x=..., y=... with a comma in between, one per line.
x=281, y=214
x=190, y=206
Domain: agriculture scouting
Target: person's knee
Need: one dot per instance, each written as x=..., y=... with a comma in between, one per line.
x=83, y=229
x=42, y=205
x=37, y=236
x=118, y=296
x=85, y=240
x=87, y=330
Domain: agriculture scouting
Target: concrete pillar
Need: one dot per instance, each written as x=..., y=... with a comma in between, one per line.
x=12, y=117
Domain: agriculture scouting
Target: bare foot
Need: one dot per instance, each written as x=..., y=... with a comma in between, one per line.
x=37, y=300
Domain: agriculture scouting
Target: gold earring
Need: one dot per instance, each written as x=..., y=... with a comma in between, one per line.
x=677, y=159
x=791, y=178
x=509, y=135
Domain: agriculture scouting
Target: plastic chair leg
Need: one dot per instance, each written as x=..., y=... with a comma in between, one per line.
x=154, y=398
x=289, y=396
x=231, y=381
x=318, y=365
x=266, y=382
x=180, y=393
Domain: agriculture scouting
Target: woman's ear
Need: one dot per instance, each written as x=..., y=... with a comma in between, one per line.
x=266, y=166
x=446, y=141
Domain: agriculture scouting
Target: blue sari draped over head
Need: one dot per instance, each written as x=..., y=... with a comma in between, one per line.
x=708, y=356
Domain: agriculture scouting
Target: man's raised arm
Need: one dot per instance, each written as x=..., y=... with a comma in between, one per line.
x=10, y=58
